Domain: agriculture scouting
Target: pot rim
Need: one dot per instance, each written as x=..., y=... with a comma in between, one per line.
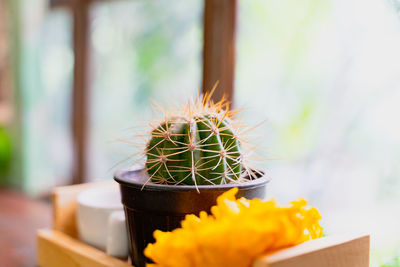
x=123, y=178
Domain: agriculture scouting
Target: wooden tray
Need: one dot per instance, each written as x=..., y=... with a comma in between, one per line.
x=60, y=246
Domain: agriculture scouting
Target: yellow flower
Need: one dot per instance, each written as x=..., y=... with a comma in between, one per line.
x=236, y=232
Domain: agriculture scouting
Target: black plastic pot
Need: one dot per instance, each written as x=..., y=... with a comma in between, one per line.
x=158, y=206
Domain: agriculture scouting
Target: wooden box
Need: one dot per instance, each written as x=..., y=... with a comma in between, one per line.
x=60, y=246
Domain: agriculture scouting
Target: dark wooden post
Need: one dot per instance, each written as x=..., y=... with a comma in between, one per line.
x=219, y=47
x=80, y=98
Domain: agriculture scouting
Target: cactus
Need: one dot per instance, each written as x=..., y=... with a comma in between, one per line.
x=196, y=145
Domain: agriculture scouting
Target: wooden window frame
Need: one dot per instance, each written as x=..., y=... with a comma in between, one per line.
x=218, y=65
x=219, y=47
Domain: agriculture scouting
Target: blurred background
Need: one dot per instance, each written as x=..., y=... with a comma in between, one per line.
x=323, y=76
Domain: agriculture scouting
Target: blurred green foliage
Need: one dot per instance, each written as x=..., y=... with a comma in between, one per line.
x=5, y=155
x=394, y=262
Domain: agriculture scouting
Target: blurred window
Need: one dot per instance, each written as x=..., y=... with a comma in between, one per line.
x=142, y=51
x=46, y=80
x=139, y=51
x=326, y=76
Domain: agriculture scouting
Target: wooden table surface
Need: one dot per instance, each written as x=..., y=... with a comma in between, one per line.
x=20, y=217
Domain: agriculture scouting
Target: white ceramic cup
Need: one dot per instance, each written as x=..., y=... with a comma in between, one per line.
x=101, y=220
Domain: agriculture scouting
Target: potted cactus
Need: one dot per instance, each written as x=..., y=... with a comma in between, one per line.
x=193, y=154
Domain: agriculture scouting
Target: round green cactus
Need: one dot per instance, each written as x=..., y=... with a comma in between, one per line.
x=196, y=145
x=197, y=150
